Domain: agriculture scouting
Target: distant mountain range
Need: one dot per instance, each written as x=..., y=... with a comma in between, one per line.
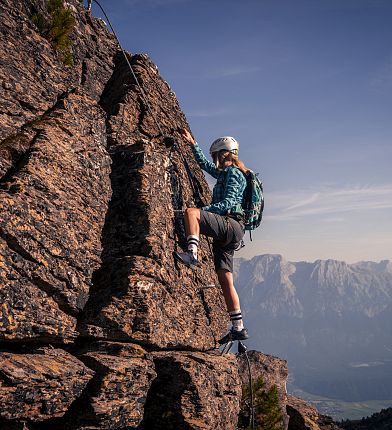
x=330, y=319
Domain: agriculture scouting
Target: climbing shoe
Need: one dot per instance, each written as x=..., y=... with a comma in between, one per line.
x=233, y=335
x=186, y=258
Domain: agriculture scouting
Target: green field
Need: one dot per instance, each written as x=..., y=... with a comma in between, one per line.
x=339, y=409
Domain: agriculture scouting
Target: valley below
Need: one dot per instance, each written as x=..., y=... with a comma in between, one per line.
x=331, y=321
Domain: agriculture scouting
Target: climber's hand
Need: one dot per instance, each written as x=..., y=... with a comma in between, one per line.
x=187, y=136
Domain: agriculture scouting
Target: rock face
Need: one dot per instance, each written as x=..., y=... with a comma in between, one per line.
x=39, y=386
x=305, y=417
x=49, y=201
x=296, y=413
x=193, y=391
x=99, y=327
x=90, y=199
x=272, y=370
x=116, y=397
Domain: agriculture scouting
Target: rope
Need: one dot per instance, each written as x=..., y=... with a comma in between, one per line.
x=196, y=193
x=144, y=96
x=242, y=349
x=177, y=201
x=252, y=409
x=169, y=141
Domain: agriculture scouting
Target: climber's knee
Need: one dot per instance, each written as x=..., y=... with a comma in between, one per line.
x=192, y=213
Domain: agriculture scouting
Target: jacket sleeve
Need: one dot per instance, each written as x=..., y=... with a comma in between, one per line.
x=202, y=161
x=234, y=189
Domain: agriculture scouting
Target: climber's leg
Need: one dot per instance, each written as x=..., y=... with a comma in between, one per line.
x=192, y=221
x=229, y=292
x=237, y=331
x=198, y=221
x=192, y=228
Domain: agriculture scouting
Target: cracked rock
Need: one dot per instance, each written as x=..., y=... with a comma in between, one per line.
x=39, y=386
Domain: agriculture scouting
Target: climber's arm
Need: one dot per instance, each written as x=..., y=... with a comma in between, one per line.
x=201, y=159
x=206, y=165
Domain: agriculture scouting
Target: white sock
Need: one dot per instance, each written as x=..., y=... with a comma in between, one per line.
x=236, y=320
x=193, y=244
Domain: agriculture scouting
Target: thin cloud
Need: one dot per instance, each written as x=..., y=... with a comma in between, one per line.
x=305, y=202
x=327, y=201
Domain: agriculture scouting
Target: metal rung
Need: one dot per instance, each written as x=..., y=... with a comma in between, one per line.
x=226, y=349
x=208, y=286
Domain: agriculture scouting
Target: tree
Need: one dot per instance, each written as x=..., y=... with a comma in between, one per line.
x=58, y=28
x=268, y=412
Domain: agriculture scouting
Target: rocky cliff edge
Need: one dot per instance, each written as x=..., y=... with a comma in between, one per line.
x=99, y=328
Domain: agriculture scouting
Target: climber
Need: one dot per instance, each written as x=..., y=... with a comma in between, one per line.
x=223, y=220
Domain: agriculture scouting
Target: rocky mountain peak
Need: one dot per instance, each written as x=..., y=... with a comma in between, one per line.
x=269, y=266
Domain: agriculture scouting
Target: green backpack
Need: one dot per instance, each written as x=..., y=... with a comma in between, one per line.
x=253, y=201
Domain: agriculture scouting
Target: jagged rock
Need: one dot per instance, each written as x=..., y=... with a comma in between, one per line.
x=33, y=79
x=90, y=201
x=39, y=386
x=272, y=370
x=115, y=398
x=306, y=417
x=195, y=391
x=140, y=293
x=166, y=305
x=53, y=204
x=55, y=187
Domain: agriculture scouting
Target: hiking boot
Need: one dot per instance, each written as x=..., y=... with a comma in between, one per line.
x=233, y=335
x=186, y=258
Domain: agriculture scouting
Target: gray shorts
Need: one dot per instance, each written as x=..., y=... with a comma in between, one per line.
x=226, y=232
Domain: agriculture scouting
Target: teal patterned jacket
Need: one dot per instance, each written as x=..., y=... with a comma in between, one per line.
x=228, y=191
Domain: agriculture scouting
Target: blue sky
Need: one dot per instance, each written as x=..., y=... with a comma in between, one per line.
x=306, y=88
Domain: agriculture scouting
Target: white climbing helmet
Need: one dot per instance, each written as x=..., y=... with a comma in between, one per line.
x=227, y=143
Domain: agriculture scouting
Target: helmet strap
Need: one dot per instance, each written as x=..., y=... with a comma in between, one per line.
x=215, y=159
